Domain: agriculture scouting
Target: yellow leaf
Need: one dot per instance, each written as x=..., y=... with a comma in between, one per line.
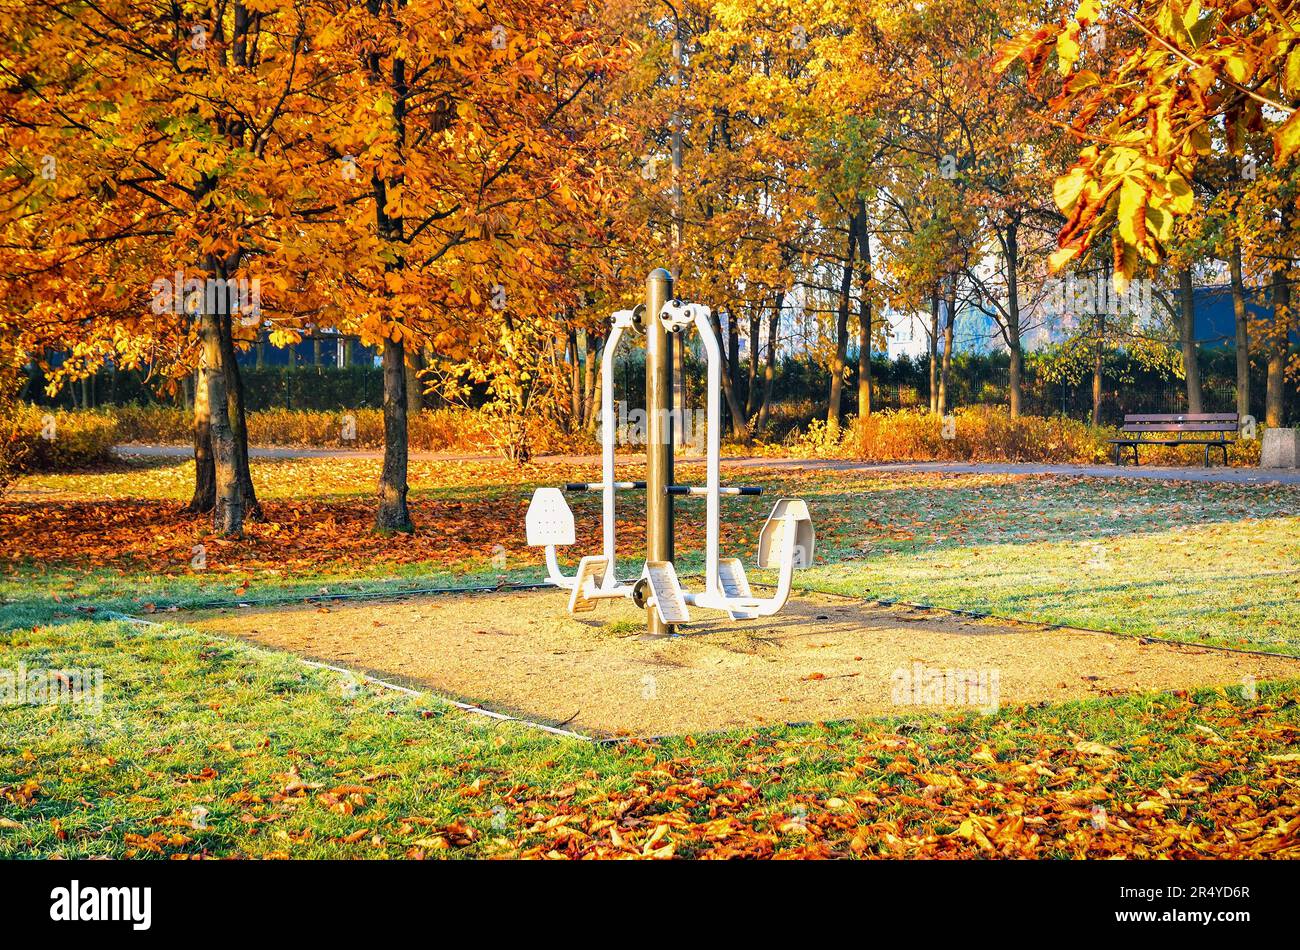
x=972, y=832
x=1083, y=79
x=1067, y=50
x=1094, y=748
x=1132, y=212
x=1239, y=66
x=1291, y=76
x=1125, y=265
x=1286, y=140
x=1066, y=189
x=1060, y=258
x=1012, y=50
x=1180, y=192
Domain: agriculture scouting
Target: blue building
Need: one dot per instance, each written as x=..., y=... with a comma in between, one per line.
x=1216, y=320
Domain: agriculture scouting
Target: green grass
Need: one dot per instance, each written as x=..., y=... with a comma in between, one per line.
x=1223, y=584
x=205, y=747
x=263, y=743
x=30, y=597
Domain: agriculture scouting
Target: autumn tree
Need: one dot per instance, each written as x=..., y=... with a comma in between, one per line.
x=158, y=153
x=1146, y=123
x=737, y=205
x=449, y=158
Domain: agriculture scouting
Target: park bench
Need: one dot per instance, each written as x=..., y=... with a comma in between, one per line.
x=1211, y=429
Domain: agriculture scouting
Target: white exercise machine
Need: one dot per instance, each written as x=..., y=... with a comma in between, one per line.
x=785, y=543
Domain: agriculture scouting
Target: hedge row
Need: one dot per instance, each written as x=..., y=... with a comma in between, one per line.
x=37, y=439
x=987, y=434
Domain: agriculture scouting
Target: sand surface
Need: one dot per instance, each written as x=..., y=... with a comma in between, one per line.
x=823, y=658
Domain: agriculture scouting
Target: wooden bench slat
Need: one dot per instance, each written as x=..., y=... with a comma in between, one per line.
x=1170, y=441
x=1182, y=417
x=1179, y=427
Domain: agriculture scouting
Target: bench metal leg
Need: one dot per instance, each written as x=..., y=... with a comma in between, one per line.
x=1119, y=452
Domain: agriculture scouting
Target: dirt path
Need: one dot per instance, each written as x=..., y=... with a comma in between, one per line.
x=1232, y=476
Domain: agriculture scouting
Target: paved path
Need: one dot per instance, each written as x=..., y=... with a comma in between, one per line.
x=1231, y=476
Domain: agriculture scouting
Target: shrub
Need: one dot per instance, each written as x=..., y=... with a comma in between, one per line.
x=979, y=434
x=1244, y=453
x=39, y=440
x=987, y=434
x=153, y=424
x=431, y=430
x=12, y=449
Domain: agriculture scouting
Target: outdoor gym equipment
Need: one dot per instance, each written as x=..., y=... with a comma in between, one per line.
x=785, y=543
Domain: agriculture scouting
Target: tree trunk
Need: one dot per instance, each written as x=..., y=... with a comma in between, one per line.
x=739, y=427
x=864, y=326
x=1187, y=335
x=833, y=410
x=945, y=371
x=751, y=388
x=227, y=509
x=733, y=353
x=1242, y=317
x=1016, y=371
x=1275, y=393
x=934, y=350
x=577, y=343
x=414, y=387
x=593, y=384
x=205, y=472
x=1096, y=371
x=238, y=419
x=393, y=514
x=769, y=369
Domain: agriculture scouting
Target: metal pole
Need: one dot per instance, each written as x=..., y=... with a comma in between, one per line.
x=659, y=432
x=678, y=343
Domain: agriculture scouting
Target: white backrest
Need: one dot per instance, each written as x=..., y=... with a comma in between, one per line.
x=771, y=540
x=549, y=519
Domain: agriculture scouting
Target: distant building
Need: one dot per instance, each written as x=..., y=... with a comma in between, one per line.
x=1216, y=318
x=1053, y=320
x=908, y=332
